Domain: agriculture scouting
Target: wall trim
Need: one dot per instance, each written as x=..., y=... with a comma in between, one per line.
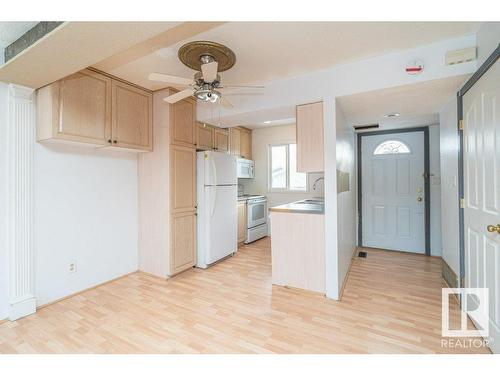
x=344, y=283
x=91, y=288
x=449, y=276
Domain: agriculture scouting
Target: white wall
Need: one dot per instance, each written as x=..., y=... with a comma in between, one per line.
x=365, y=75
x=85, y=211
x=345, y=151
x=435, y=185
x=488, y=38
x=449, y=184
x=261, y=139
x=4, y=269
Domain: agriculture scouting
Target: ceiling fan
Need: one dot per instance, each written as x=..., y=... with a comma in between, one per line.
x=208, y=59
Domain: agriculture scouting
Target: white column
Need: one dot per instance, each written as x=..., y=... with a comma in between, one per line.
x=20, y=146
x=330, y=166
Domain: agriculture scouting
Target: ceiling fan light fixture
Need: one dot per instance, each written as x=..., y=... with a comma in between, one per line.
x=208, y=95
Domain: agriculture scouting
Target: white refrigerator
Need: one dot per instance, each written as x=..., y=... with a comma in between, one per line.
x=217, y=191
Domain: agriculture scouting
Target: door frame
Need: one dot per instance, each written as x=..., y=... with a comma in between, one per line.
x=490, y=61
x=427, y=186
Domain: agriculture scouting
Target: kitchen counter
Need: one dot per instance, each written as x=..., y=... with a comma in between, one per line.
x=306, y=206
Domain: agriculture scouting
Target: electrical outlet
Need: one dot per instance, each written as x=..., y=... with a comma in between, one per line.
x=72, y=266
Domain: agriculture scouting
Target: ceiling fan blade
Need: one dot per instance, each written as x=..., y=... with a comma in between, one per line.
x=174, y=80
x=179, y=96
x=209, y=71
x=243, y=86
x=225, y=103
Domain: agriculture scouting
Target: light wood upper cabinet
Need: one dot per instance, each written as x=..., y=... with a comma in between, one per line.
x=242, y=222
x=240, y=142
x=183, y=179
x=93, y=108
x=205, y=136
x=183, y=242
x=246, y=143
x=234, y=141
x=76, y=108
x=132, y=110
x=310, y=137
x=222, y=140
x=182, y=123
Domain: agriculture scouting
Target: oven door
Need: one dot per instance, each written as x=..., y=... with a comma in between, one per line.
x=256, y=213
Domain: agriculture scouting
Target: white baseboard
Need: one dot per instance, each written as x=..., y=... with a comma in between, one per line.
x=22, y=308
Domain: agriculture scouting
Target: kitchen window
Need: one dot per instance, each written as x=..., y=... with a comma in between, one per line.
x=283, y=175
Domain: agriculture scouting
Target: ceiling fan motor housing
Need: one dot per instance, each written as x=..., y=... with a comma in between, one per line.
x=195, y=54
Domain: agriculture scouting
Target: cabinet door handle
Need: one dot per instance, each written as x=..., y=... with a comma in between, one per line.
x=109, y=140
x=115, y=141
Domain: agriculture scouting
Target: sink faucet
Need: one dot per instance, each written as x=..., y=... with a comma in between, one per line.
x=316, y=181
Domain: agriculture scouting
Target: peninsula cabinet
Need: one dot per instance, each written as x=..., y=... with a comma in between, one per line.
x=95, y=109
x=310, y=137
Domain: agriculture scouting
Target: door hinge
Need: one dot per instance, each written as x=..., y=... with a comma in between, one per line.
x=461, y=125
x=462, y=282
x=462, y=203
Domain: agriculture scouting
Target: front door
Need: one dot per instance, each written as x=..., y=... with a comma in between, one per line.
x=393, y=200
x=481, y=108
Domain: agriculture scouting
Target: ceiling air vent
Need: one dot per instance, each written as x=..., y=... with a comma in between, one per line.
x=460, y=56
x=365, y=127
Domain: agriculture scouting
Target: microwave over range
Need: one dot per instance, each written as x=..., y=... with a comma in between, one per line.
x=245, y=168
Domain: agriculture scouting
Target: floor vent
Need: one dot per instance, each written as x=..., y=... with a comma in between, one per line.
x=362, y=254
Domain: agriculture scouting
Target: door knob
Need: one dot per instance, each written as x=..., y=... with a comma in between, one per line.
x=419, y=199
x=493, y=228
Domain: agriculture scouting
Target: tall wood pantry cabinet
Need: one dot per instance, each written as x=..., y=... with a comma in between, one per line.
x=167, y=190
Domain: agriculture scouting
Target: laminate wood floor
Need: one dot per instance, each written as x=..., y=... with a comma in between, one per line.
x=391, y=304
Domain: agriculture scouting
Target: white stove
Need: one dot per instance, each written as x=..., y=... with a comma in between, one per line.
x=256, y=216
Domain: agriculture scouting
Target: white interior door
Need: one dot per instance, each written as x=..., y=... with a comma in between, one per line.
x=482, y=192
x=393, y=196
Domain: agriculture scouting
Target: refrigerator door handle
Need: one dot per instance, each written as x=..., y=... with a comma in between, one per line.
x=214, y=201
x=214, y=171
